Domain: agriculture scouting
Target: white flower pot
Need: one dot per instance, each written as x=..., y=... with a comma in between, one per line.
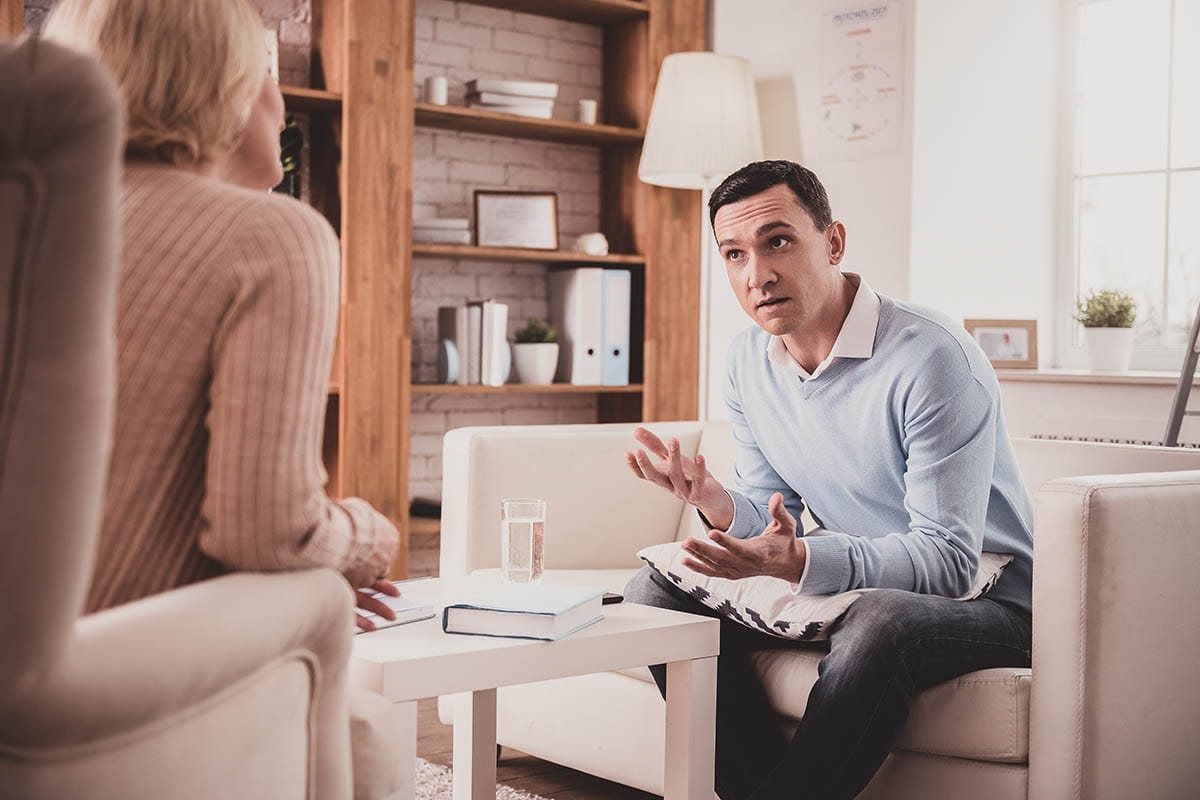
x=1109, y=349
x=536, y=362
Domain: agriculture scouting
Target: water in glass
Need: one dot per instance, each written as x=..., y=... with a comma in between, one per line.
x=522, y=540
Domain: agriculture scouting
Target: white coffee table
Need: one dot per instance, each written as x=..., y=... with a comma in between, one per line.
x=414, y=661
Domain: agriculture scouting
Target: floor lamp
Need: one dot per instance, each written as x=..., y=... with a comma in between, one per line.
x=703, y=125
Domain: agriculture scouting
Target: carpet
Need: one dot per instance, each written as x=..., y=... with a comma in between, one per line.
x=435, y=783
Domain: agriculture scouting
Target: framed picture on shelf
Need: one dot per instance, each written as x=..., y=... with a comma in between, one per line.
x=516, y=219
x=1008, y=343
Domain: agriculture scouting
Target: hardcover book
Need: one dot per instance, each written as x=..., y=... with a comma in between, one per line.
x=525, y=611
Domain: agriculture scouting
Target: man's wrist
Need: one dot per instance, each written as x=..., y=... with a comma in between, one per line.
x=719, y=514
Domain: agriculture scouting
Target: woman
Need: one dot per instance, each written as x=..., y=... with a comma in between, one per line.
x=227, y=310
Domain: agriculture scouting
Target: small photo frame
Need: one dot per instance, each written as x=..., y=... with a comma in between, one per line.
x=1008, y=343
x=516, y=219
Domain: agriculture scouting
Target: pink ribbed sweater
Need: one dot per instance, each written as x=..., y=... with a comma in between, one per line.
x=226, y=316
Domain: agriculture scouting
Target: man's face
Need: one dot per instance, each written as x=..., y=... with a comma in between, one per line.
x=782, y=269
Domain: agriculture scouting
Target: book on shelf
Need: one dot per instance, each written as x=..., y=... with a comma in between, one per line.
x=406, y=611
x=524, y=611
x=494, y=359
x=440, y=236
x=498, y=99
x=474, y=338
x=472, y=361
x=520, y=111
x=441, y=223
x=524, y=88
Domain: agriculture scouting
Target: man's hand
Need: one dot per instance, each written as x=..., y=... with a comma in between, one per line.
x=688, y=480
x=775, y=552
x=373, y=605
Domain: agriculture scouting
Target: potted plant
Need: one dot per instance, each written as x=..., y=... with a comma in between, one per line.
x=535, y=352
x=1107, y=317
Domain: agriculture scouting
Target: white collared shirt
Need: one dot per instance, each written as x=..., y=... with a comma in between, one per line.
x=856, y=339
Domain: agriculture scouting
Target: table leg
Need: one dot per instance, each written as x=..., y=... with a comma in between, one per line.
x=406, y=750
x=691, y=729
x=475, y=747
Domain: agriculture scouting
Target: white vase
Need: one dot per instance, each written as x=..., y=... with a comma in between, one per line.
x=536, y=362
x=1109, y=349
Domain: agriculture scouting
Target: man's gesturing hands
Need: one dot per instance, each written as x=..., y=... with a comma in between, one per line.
x=775, y=552
x=688, y=480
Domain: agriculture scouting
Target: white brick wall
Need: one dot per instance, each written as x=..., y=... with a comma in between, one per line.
x=463, y=41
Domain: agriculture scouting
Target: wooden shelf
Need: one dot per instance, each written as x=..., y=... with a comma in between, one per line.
x=297, y=98
x=521, y=388
x=474, y=120
x=595, y=12
x=521, y=254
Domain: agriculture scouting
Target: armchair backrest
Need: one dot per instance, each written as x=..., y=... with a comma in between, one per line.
x=59, y=170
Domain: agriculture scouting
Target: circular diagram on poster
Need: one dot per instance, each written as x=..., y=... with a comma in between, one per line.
x=859, y=103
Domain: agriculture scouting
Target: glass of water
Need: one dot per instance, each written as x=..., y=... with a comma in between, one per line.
x=522, y=539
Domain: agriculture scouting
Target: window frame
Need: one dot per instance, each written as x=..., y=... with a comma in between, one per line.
x=1069, y=354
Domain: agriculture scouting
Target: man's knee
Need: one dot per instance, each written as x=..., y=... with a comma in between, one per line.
x=643, y=589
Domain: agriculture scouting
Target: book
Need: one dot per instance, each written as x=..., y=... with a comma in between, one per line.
x=440, y=223
x=525, y=611
x=406, y=611
x=437, y=236
x=520, y=111
x=472, y=361
x=498, y=99
x=526, y=88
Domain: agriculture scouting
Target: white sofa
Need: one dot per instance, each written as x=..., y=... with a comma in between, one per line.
x=1114, y=711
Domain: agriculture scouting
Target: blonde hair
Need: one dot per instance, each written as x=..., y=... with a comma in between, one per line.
x=188, y=70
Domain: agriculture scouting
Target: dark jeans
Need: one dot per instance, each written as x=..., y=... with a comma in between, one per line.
x=886, y=648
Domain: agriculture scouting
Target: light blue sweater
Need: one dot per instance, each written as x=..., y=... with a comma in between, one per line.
x=903, y=455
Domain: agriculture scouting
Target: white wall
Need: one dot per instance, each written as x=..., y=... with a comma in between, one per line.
x=984, y=160
x=872, y=196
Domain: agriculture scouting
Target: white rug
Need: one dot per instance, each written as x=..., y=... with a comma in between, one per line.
x=436, y=783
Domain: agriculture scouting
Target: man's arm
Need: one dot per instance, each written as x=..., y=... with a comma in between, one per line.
x=265, y=502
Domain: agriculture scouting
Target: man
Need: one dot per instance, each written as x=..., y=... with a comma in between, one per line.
x=884, y=418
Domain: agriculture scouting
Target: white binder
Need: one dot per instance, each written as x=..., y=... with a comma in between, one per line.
x=617, y=283
x=576, y=309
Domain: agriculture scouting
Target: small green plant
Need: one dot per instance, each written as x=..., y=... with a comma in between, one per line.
x=1106, y=309
x=537, y=331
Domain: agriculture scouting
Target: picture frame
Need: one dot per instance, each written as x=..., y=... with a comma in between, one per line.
x=516, y=219
x=1008, y=343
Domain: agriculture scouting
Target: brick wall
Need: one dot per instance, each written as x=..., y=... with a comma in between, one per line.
x=464, y=41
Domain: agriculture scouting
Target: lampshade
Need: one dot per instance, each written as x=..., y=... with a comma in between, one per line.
x=703, y=124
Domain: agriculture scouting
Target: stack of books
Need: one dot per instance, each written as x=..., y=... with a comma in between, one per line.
x=524, y=98
x=434, y=230
x=473, y=344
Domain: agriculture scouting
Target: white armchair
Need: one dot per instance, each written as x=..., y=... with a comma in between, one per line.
x=1107, y=712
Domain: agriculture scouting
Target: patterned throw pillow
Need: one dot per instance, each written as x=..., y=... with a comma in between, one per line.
x=769, y=605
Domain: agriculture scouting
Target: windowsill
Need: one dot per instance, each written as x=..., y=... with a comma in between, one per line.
x=1057, y=375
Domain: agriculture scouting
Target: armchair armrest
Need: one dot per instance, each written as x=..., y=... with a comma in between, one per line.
x=131, y=671
x=598, y=515
x=1115, y=643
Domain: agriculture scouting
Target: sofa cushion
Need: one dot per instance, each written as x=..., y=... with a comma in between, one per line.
x=982, y=715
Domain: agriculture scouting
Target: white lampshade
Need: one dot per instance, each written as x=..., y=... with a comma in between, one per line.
x=703, y=124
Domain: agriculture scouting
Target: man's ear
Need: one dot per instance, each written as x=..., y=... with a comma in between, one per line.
x=835, y=240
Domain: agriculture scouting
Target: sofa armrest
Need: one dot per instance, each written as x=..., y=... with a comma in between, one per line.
x=598, y=515
x=1115, y=642
x=131, y=670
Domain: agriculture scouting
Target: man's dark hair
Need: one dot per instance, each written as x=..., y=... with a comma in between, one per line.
x=762, y=175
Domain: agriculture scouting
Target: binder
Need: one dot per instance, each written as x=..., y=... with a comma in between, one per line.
x=452, y=328
x=616, y=297
x=494, y=364
x=576, y=309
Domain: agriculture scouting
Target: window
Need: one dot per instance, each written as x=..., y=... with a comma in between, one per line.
x=1135, y=181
